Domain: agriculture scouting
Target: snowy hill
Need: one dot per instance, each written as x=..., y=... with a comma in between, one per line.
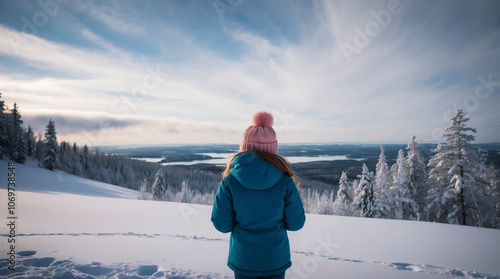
x=70, y=227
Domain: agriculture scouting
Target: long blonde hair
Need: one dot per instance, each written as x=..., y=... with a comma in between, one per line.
x=276, y=160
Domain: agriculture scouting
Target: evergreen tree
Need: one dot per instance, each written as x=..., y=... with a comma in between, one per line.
x=3, y=130
x=364, y=201
x=492, y=174
x=159, y=187
x=343, y=201
x=63, y=161
x=76, y=166
x=17, y=138
x=143, y=189
x=318, y=204
x=31, y=142
x=455, y=168
x=85, y=158
x=75, y=149
x=51, y=159
x=417, y=174
x=185, y=195
x=404, y=207
x=382, y=182
x=40, y=150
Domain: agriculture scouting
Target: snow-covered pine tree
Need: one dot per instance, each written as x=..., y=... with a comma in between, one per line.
x=325, y=203
x=67, y=158
x=31, y=142
x=186, y=194
x=204, y=198
x=17, y=137
x=75, y=150
x=159, y=186
x=393, y=172
x=63, y=156
x=144, y=189
x=306, y=198
x=492, y=174
x=85, y=158
x=401, y=192
x=381, y=190
x=418, y=176
x=51, y=159
x=364, y=201
x=343, y=201
x=456, y=167
x=76, y=166
x=3, y=130
x=40, y=149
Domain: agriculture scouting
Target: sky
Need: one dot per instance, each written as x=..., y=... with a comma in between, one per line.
x=185, y=72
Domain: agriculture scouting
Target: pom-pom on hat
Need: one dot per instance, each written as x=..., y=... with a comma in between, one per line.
x=260, y=136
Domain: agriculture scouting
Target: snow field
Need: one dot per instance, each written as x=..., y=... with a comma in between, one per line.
x=70, y=227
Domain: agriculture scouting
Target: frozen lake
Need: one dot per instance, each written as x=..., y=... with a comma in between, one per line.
x=222, y=159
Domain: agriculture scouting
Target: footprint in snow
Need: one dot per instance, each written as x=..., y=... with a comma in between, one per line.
x=26, y=253
x=147, y=270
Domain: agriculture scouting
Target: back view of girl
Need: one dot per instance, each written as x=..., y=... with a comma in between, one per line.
x=258, y=201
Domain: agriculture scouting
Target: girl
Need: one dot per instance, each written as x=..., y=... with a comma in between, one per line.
x=257, y=201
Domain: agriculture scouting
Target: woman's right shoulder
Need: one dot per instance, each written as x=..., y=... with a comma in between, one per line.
x=228, y=181
x=227, y=178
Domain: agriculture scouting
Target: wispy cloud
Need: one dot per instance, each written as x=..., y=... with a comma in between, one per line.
x=43, y=54
x=99, y=41
x=422, y=62
x=111, y=17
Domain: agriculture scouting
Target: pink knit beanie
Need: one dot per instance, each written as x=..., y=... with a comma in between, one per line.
x=260, y=136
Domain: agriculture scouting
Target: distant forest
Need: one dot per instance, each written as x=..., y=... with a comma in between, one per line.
x=452, y=182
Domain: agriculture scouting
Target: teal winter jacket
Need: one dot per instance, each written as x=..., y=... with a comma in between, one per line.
x=257, y=203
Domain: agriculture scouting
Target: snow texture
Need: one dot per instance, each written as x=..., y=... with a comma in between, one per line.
x=70, y=227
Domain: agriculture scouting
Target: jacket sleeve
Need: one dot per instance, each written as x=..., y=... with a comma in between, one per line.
x=294, y=210
x=222, y=211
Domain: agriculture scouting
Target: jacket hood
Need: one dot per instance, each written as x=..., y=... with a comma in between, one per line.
x=252, y=172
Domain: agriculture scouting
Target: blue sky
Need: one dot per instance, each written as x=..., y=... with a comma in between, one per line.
x=160, y=72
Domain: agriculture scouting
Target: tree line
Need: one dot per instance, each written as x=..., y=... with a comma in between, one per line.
x=456, y=186
x=20, y=145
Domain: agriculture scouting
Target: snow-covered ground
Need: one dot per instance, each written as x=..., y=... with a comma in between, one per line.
x=70, y=227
